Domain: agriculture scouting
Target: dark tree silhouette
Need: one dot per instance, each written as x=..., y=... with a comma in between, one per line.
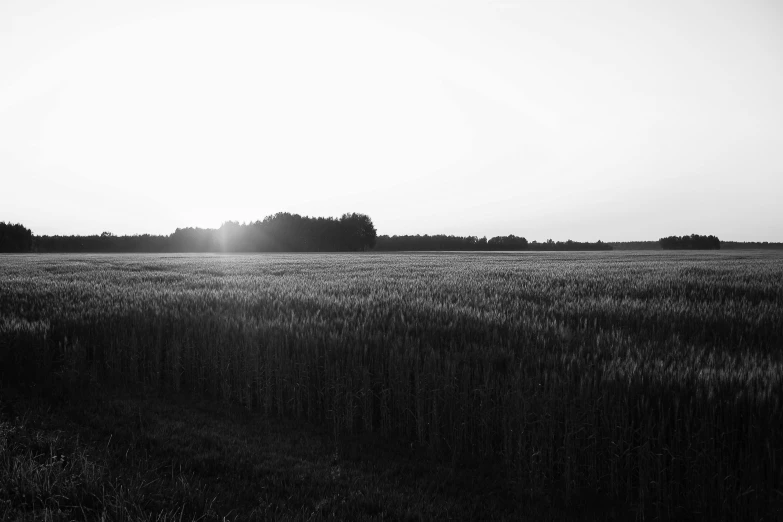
x=193, y=240
x=15, y=238
x=692, y=242
x=510, y=242
x=747, y=245
x=568, y=246
x=281, y=232
x=358, y=232
x=102, y=243
x=472, y=243
x=636, y=245
x=285, y=232
x=419, y=243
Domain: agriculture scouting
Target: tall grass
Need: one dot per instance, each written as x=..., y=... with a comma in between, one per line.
x=654, y=380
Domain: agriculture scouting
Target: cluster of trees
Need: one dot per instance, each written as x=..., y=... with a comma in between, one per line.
x=498, y=243
x=692, y=242
x=15, y=238
x=510, y=242
x=563, y=246
x=282, y=232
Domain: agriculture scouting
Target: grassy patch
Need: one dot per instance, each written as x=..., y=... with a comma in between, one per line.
x=137, y=458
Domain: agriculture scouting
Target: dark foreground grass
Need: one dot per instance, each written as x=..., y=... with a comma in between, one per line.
x=147, y=458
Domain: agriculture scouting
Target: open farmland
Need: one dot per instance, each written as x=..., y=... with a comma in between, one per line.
x=653, y=380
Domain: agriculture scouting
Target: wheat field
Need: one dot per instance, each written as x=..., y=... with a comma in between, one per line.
x=653, y=379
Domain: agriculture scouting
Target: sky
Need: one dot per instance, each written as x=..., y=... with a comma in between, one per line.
x=581, y=120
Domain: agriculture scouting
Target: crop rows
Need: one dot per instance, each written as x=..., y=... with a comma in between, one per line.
x=654, y=379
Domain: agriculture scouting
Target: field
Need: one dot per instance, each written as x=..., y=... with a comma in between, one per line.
x=651, y=381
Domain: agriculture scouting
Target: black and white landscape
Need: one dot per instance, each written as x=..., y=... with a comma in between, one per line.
x=482, y=260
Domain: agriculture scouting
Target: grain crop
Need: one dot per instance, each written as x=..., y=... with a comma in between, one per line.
x=654, y=379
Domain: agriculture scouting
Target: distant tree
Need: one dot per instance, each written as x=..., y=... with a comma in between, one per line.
x=15, y=238
x=692, y=242
x=510, y=242
x=193, y=240
x=358, y=232
x=230, y=237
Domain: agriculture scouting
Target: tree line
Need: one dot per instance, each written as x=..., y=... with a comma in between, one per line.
x=286, y=232
x=746, y=245
x=449, y=243
x=105, y=242
x=281, y=232
x=724, y=245
x=636, y=245
x=473, y=243
x=692, y=242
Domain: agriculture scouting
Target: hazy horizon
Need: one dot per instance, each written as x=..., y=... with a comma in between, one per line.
x=382, y=233
x=564, y=120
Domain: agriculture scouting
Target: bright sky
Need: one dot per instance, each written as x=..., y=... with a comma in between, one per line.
x=586, y=120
